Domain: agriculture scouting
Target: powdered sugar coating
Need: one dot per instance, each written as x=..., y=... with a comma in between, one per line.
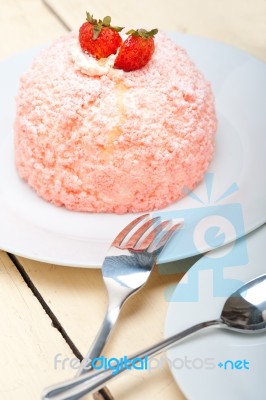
x=121, y=142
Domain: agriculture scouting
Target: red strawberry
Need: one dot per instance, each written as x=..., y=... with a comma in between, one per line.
x=136, y=51
x=99, y=38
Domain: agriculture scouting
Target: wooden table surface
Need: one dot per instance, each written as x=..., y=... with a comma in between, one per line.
x=47, y=309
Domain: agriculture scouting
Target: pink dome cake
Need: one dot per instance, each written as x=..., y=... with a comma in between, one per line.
x=117, y=142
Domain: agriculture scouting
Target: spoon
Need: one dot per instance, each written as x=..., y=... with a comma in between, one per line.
x=244, y=311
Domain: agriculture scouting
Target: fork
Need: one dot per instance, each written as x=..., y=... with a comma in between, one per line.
x=126, y=269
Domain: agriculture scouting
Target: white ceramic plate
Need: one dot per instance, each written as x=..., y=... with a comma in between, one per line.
x=194, y=362
x=35, y=229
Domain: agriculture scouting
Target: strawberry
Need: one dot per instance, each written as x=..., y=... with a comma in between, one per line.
x=136, y=51
x=99, y=38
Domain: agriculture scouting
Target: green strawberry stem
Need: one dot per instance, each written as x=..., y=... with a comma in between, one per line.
x=99, y=24
x=143, y=33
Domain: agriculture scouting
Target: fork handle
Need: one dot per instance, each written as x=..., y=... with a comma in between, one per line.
x=94, y=352
x=92, y=381
x=99, y=342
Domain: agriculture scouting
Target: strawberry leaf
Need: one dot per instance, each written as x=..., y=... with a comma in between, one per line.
x=96, y=30
x=153, y=32
x=131, y=32
x=90, y=18
x=107, y=21
x=117, y=28
x=98, y=24
x=143, y=33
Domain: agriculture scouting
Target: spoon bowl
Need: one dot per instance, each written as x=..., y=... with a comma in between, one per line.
x=245, y=309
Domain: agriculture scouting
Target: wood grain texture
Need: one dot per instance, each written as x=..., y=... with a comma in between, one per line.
x=24, y=24
x=28, y=341
x=78, y=298
x=241, y=23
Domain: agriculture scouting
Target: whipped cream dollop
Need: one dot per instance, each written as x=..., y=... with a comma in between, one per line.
x=89, y=65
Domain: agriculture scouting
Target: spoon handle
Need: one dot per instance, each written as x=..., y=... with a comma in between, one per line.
x=94, y=380
x=61, y=389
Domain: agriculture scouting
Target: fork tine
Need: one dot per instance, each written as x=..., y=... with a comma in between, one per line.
x=121, y=236
x=158, y=247
x=152, y=236
x=131, y=243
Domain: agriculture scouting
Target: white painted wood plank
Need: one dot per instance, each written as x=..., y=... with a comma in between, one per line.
x=241, y=23
x=28, y=341
x=24, y=24
x=78, y=298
